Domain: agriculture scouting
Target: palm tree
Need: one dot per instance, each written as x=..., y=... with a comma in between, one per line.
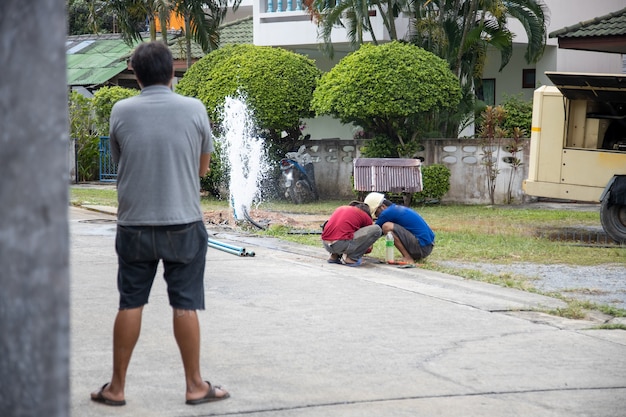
x=354, y=15
x=460, y=31
x=329, y=14
x=131, y=16
x=202, y=19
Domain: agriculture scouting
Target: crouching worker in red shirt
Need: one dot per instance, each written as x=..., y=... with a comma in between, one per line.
x=350, y=231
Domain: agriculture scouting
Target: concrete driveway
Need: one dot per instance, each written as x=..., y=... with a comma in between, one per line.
x=290, y=335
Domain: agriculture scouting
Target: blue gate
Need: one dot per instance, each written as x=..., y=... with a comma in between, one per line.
x=108, y=168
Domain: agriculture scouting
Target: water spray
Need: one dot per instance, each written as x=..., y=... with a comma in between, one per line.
x=245, y=156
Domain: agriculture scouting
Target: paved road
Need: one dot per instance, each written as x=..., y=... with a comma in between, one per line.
x=292, y=336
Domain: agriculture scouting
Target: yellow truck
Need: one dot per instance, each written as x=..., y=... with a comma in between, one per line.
x=578, y=144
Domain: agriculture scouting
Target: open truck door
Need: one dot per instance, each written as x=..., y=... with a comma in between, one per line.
x=578, y=144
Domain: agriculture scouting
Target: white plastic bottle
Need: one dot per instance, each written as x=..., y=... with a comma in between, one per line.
x=389, y=245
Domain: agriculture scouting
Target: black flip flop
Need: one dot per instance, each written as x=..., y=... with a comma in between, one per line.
x=100, y=398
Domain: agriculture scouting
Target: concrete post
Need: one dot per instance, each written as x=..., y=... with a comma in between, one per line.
x=34, y=238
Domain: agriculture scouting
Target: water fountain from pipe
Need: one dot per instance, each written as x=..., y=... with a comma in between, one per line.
x=244, y=155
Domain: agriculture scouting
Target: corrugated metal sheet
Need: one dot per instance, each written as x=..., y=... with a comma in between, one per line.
x=394, y=175
x=95, y=61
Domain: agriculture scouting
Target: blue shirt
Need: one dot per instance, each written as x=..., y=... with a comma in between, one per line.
x=410, y=220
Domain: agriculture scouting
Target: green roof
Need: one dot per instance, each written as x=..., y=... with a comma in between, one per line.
x=603, y=34
x=94, y=59
x=237, y=32
x=612, y=24
x=179, y=49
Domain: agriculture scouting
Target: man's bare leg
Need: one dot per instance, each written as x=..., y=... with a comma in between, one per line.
x=187, y=334
x=125, y=335
x=406, y=257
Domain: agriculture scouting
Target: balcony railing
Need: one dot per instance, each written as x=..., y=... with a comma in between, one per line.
x=284, y=6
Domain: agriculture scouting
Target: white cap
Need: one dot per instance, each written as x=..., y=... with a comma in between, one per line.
x=374, y=200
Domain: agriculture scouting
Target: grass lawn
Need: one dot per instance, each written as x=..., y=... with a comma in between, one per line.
x=477, y=233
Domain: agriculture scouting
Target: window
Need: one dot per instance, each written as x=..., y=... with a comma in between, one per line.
x=487, y=91
x=528, y=78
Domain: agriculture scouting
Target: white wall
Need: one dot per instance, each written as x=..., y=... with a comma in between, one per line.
x=244, y=10
x=562, y=13
x=334, y=167
x=295, y=31
x=509, y=80
x=326, y=127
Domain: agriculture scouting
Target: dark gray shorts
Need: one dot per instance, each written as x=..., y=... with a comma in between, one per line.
x=411, y=244
x=183, y=251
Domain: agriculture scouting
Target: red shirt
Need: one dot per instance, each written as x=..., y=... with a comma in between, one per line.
x=344, y=221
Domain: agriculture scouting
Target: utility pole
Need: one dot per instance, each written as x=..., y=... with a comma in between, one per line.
x=34, y=236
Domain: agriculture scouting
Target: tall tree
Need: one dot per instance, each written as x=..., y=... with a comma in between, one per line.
x=354, y=16
x=88, y=16
x=459, y=31
x=202, y=19
x=387, y=89
x=451, y=29
x=131, y=17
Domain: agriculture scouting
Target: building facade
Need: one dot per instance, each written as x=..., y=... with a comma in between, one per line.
x=285, y=23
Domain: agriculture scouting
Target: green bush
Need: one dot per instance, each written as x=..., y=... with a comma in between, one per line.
x=379, y=147
x=436, y=183
x=519, y=113
x=277, y=85
x=386, y=89
x=86, y=141
x=89, y=119
x=214, y=180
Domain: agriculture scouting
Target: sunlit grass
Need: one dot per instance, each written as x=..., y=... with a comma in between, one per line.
x=93, y=196
x=465, y=233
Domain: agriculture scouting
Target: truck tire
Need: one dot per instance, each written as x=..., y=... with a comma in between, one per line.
x=613, y=219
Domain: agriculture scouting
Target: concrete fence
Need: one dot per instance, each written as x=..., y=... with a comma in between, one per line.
x=333, y=158
x=333, y=162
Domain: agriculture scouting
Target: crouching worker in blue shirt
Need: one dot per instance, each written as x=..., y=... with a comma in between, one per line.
x=412, y=235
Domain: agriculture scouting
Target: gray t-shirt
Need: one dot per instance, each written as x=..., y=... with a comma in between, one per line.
x=157, y=138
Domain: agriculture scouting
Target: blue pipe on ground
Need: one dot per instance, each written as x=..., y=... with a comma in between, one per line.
x=227, y=245
x=225, y=249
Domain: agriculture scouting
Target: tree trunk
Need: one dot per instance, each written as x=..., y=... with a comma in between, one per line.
x=188, y=38
x=467, y=23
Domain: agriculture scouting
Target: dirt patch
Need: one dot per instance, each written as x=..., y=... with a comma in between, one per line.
x=267, y=218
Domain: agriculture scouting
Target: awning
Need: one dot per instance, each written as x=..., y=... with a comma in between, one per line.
x=595, y=87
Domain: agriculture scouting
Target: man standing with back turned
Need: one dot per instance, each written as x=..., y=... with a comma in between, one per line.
x=162, y=143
